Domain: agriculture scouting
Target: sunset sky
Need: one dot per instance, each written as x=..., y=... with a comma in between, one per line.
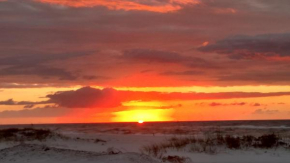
x=74, y=61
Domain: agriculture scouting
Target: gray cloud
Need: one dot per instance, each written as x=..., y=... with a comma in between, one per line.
x=38, y=70
x=48, y=111
x=27, y=62
x=7, y=102
x=29, y=106
x=248, y=47
x=86, y=97
x=215, y=104
x=27, y=57
x=12, y=102
x=160, y=56
x=266, y=111
x=52, y=31
x=93, y=77
x=227, y=104
x=149, y=55
x=262, y=76
x=185, y=73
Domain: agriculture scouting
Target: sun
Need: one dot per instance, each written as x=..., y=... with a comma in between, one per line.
x=146, y=115
x=140, y=121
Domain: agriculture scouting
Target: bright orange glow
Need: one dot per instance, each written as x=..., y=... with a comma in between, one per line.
x=140, y=121
x=127, y=5
x=146, y=115
x=211, y=89
x=143, y=104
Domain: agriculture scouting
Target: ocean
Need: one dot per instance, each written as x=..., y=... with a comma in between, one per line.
x=253, y=127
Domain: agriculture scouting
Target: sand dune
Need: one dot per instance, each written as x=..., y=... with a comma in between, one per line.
x=28, y=153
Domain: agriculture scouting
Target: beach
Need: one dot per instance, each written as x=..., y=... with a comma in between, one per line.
x=80, y=143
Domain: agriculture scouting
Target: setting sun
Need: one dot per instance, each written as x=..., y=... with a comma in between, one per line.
x=144, y=115
x=140, y=121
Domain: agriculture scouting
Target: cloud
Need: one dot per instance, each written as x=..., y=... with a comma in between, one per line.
x=7, y=102
x=38, y=70
x=214, y=104
x=185, y=73
x=227, y=104
x=259, y=76
x=86, y=97
x=252, y=47
x=28, y=85
x=281, y=103
x=256, y=104
x=161, y=56
x=27, y=57
x=127, y=5
x=266, y=111
x=31, y=63
x=55, y=29
x=48, y=111
x=12, y=102
x=170, y=106
x=29, y=106
x=149, y=55
x=93, y=77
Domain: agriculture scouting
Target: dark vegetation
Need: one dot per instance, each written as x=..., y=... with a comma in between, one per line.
x=175, y=159
x=33, y=134
x=211, y=144
x=27, y=134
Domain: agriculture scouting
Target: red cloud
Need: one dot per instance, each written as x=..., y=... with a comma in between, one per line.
x=127, y=5
x=88, y=97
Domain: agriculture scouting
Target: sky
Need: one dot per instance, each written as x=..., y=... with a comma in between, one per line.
x=85, y=61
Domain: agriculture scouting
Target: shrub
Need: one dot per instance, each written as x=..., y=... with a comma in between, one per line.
x=26, y=134
x=268, y=141
x=210, y=144
x=8, y=134
x=36, y=134
x=179, y=143
x=232, y=142
x=100, y=141
x=220, y=139
x=248, y=140
x=154, y=150
x=174, y=159
x=113, y=151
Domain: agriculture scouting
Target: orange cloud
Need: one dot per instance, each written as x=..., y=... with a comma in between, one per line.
x=127, y=5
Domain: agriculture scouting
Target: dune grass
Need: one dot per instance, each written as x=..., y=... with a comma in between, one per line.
x=27, y=134
x=211, y=144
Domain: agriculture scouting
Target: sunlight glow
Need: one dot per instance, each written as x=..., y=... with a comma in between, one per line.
x=143, y=104
x=144, y=115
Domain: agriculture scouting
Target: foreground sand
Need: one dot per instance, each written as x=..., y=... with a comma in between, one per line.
x=42, y=154
x=84, y=149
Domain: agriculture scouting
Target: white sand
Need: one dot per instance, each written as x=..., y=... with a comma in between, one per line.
x=87, y=151
x=44, y=154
